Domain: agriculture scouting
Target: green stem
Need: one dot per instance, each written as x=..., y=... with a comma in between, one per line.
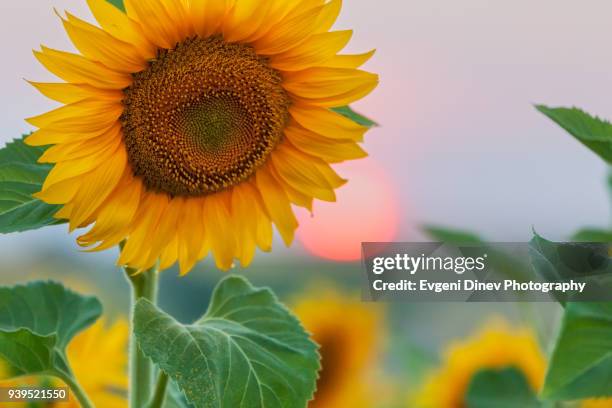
x=78, y=391
x=144, y=286
x=160, y=391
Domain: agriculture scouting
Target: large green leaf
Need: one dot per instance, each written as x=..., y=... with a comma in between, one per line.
x=581, y=363
x=348, y=112
x=247, y=350
x=20, y=177
x=593, y=132
x=506, y=388
x=37, y=321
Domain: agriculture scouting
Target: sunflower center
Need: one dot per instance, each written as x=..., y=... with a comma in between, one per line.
x=203, y=117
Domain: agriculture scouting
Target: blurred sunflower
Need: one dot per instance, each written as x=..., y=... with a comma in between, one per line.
x=190, y=126
x=597, y=403
x=349, y=334
x=498, y=346
x=98, y=358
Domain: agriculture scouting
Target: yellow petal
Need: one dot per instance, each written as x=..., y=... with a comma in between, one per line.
x=42, y=137
x=78, y=69
x=207, y=15
x=86, y=115
x=245, y=19
x=245, y=210
x=165, y=230
x=99, y=184
x=136, y=250
x=156, y=23
x=326, y=123
x=95, y=44
x=298, y=170
x=170, y=254
x=330, y=150
x=60, y=193
x=315, y=51
x=330, y=87
x=72, y=168
x=289, y=33
x=277, y=204
x=71, y=93
x=115, y=215
x=120, y=26
x=220, y=238
x=328, y=16
x=350, y=61
x=191, y=233
x=78, y=149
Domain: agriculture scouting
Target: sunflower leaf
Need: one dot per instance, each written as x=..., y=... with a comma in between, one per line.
x=358, y=118
x=20, y=177
x=591, y=131
x=506, y=388
x=581, y=363
x=247, y=349
x=37, y=321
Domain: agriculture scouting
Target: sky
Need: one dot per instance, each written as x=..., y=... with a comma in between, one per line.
x=459, y=142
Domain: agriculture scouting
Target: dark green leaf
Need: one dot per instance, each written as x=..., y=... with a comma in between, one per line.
x=581, y=363
x=507, y=388
x=118, y=4
x=348, y=112
x=247, y=350
x=594, y=133
x=20, y=177
x=37, y=321
x=556, y=262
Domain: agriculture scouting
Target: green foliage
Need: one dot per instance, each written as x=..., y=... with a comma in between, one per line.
x=117, y=3
x=593, y=132
x=247, y=349
x=20, y=177
x=348, y=112
x=563, y=261
x=37, y=321
x=507, y=388
x=581, y=363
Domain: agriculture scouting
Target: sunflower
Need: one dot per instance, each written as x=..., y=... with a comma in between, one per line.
x=189, y=127
x=496, y=347
x=98, y=358
x=349, y=334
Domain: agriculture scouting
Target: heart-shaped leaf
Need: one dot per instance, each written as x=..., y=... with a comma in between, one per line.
x=20, y=177
x=248, y=350
x=37, y=321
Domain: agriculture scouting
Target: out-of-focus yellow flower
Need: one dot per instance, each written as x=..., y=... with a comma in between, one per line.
x=349, y=333
x=495, y=347
x=189, y=127
x=98, y=357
